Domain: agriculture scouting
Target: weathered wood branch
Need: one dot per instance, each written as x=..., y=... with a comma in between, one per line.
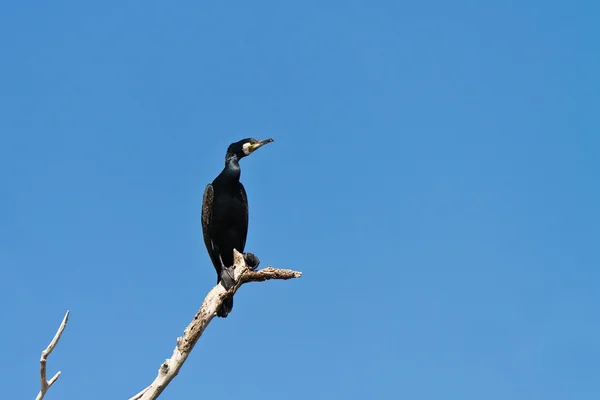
x=170, y=368
x=45, y=383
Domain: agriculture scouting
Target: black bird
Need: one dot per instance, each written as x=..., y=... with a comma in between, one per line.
x=225, y=216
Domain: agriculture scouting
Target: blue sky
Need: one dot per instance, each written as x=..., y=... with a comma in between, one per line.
x=434, y=175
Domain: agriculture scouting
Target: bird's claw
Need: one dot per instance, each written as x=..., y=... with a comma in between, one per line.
x=252, y=261
x=227, y=278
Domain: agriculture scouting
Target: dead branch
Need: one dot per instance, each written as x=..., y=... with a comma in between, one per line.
x=44, y=382
x=170, y=368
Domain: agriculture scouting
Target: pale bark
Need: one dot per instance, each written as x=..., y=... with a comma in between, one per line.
x=170, y=368
x=45, y=384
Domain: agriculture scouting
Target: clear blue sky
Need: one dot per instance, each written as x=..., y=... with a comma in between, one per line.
x=434, y=174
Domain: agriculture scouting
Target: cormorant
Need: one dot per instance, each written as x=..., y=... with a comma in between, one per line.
x=225, y=216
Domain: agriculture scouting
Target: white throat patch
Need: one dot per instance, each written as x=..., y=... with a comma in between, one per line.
x=246, y=148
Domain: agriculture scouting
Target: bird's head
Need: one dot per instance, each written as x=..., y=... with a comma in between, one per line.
x=245, y=147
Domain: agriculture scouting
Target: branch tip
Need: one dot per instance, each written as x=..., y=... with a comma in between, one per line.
x=44, y=382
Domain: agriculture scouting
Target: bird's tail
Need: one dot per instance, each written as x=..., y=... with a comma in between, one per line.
x=225, y=308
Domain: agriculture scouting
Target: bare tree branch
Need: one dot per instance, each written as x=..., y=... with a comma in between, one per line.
x=44, y=382
x=170, y=368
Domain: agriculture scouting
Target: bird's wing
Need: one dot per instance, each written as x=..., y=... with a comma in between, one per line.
x=207, y=211
x=244, y=197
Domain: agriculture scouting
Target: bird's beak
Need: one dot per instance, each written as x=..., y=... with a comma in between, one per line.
x=261, y=143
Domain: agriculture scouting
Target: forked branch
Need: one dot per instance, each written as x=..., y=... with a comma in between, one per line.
x=170, y=368
x=45, y=383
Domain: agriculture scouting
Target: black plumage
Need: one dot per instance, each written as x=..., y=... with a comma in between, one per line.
x=225, y=216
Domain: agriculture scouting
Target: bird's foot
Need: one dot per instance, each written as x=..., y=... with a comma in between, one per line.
x=252, y=261
x=227, y=278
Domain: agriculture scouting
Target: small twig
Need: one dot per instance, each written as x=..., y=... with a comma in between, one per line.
x=170, y=368
x=44, y=382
